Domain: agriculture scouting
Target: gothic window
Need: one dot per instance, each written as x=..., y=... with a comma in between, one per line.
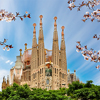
x=47, y=81
x=33, y=76
x=55, y=70
x=42, y=70
x=29, y=78
x=62, y=75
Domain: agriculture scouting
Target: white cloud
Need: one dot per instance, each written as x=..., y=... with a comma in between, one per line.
x=2, y=58
x=7, y=61
x=11, y=63
x=96, y=79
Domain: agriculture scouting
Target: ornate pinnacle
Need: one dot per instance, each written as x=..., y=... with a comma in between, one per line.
x=41, y=16
x=62, y=33
x=20, y=52
x=68, y=70
x=25, y=46
x=74, y=70
x=34, y=28
x=41, y=20
x=50, y=61
x=55, y=18
x=62, y=27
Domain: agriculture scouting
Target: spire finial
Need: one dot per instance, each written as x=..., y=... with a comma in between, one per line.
x=55, y=18
x=4, y=79
x=34, y=31
x=74, y=70
x=25, y=46
x=20, y=52
x=41, y=21
x=62, y=33
x=50, y=61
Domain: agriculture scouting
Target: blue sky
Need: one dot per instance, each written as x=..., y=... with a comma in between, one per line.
x=20, y=32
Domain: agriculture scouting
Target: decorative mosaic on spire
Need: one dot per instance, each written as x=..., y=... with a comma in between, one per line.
x=62, y=33
x=41, y=21
x=55, y=25
x=34, y=31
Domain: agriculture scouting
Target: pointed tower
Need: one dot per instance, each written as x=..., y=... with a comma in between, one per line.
x=55, y=58
x=55, y=47
x=63, y=51
x=16, y=70
x=7, y=80
x=74, y=76
x=4, y=85
x=34, y=59
x=69, y=77
x=41, y=50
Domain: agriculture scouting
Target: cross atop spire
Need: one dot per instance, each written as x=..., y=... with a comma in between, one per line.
x=62, y=33
x=41, y=21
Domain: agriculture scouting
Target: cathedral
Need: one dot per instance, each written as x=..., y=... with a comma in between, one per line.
x=39, y=67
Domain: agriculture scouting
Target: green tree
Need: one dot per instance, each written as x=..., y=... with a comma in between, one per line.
x=74, y=86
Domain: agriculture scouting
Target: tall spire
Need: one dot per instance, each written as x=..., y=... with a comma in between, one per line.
x=34, y=50
x=55, y=35
x=4, y=85
x=34, y=44
x=34, y=56
x=25, y=46
x=55, y=47
x=41, y=51
x=63, y=51
x=62, y=39
x=41, y=37
x=8, y=80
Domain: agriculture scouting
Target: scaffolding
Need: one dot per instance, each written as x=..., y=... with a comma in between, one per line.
x=26, y=55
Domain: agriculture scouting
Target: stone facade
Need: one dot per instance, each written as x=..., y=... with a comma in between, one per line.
x=40, y=67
